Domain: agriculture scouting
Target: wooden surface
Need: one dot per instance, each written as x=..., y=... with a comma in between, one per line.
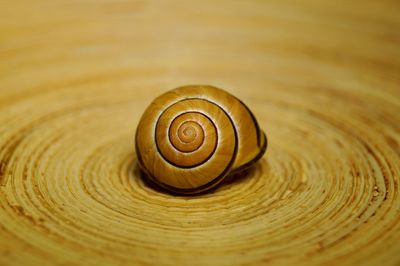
x=322, y=77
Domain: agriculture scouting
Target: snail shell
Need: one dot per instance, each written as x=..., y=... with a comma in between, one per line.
x=190, y=138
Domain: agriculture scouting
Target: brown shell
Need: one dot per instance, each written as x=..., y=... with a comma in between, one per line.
x=190, y=138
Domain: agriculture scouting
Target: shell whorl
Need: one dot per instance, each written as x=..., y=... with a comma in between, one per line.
x=190, y=138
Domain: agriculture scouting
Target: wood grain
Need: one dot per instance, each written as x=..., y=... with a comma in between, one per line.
x=322, y=77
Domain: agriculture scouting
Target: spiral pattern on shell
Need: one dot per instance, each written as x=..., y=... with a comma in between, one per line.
x=192, y=137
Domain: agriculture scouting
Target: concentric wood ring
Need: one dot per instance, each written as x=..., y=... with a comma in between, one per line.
x=322, y=78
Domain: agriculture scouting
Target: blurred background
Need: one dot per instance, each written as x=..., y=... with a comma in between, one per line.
x=158, y=45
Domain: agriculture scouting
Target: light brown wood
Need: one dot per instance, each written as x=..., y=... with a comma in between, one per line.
x=322, y=78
